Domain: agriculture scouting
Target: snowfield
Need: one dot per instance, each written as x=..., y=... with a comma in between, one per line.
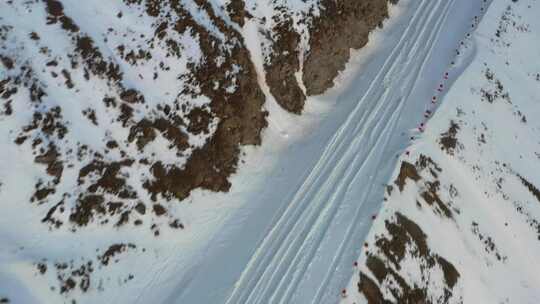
x=324, y=211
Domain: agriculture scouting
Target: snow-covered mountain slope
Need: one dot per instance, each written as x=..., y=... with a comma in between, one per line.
x=460, y=221
x=115, y=116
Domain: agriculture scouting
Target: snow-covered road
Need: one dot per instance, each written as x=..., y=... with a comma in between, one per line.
x=296, y=239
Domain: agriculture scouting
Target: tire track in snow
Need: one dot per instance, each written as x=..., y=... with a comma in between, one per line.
x=281, y=259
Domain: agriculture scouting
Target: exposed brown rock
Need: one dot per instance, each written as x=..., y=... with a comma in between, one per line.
x=159, y=210
x=56, y=14
x=7, y=62
x=50, y=158
x=370, y=290
x=425, y=162
x=343, y=25
x=448, y=139
x=176, y=224
x=451, y=275
x=132, y=96
x=87, y=207
x=238, y=113
x=113, y=251
x=237, y=11
x=109, y=179
x=405, y=238
x=199, y=121
x=284, y=63
x=72, y=276
x=141, y=208
x=431, y=196
x=144, y=132
x=403, y=232
x=532, y=188
x=224, y=74
x=42, y=268
x=407, y=170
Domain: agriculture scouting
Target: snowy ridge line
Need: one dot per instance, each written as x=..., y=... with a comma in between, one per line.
x=319, y=214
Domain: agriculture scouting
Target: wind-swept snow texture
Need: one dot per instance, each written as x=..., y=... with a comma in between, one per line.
x=460, y=221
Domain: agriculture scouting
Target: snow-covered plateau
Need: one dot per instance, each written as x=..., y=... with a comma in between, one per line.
x=284, y=151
